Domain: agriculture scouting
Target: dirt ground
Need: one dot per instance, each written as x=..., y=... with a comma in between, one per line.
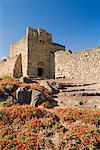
x=78, y=93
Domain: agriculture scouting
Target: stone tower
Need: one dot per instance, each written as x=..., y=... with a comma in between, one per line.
x=36, y=52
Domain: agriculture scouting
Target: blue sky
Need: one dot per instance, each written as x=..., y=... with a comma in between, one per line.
x=73, y=23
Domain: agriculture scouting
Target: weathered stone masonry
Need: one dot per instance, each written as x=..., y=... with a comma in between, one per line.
x=36, y=54
x=11, y=67
x=41, y=58
x=83, y=64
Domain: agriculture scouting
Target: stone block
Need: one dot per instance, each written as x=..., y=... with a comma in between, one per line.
x=23, y=95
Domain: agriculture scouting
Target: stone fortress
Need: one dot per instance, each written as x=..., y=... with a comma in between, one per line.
x=36, y=56
x=32, y=56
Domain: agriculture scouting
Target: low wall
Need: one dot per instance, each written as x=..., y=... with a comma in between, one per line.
x=84, y=64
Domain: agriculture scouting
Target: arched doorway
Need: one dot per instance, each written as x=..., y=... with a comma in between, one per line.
x=40, y=69
x=17, y=72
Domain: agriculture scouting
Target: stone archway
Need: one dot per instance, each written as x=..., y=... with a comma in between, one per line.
x=17, y=72
x=40, y=69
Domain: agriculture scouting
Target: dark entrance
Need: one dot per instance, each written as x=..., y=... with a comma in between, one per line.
x=40, y=72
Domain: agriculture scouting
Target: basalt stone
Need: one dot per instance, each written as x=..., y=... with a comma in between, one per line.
x=37, y=98
x=26, y=80
x=51, y=87
x=23, y=95
x=1, y=93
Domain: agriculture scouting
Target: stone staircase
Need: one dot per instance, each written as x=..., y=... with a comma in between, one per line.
x=77, y=94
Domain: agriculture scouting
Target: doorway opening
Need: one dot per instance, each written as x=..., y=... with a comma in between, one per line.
x=40, y=72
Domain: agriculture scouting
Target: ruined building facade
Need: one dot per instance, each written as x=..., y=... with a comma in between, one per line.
x=32, y=56
x=37, y=56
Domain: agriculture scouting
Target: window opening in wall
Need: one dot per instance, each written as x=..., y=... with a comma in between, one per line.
x=40, y=72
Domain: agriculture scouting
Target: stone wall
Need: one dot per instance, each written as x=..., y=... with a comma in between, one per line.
x=41, y=53
x=11, y=67
x=37, y=51
x=83, y=64
x=36, y=55
x=21, y=47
